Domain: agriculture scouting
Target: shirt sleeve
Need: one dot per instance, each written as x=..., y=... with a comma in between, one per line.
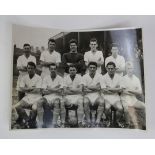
x=58, y=59
x=64, y=59
x=42, y=57
x=102, y=58
x=19, y=62
x=86, y=59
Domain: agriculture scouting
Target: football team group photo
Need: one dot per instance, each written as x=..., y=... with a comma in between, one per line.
x=84, y=79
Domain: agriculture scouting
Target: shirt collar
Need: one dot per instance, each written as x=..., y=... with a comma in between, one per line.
x=113, y=77
x=52, y=52
x=26, y=57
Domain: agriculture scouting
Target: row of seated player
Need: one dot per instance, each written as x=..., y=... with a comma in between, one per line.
x=92, y=92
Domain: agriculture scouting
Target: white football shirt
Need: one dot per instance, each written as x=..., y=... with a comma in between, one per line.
x=49, y=83
x=88, y=81
x=46, y=56
x=35, y=82
x=115, y=82
x=132, y=83
x=75, y=83
x=95, y=57
x=107, y=81
x=22, y=61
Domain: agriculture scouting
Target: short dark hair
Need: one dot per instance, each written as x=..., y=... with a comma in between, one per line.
x=73, y=41
x=26, y=44
x=51, y=40
x=52, y=64
x=30, y=63
x=72, y=66
x=92, y=63
x=111, y=63
x=114, y=45
x=93, y=40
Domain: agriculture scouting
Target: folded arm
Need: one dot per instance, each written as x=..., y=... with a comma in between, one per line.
x=24, y=69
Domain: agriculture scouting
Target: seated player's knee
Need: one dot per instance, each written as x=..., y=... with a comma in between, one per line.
x=142, y=106
x=18, y=106
x=139, y=105
x=80, y=101
x=34, y=107
x=107, y=106
x=120, y=108
x=80, y=110
x=100, y=100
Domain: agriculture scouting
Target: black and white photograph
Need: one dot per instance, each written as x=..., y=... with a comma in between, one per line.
x=77, y=79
